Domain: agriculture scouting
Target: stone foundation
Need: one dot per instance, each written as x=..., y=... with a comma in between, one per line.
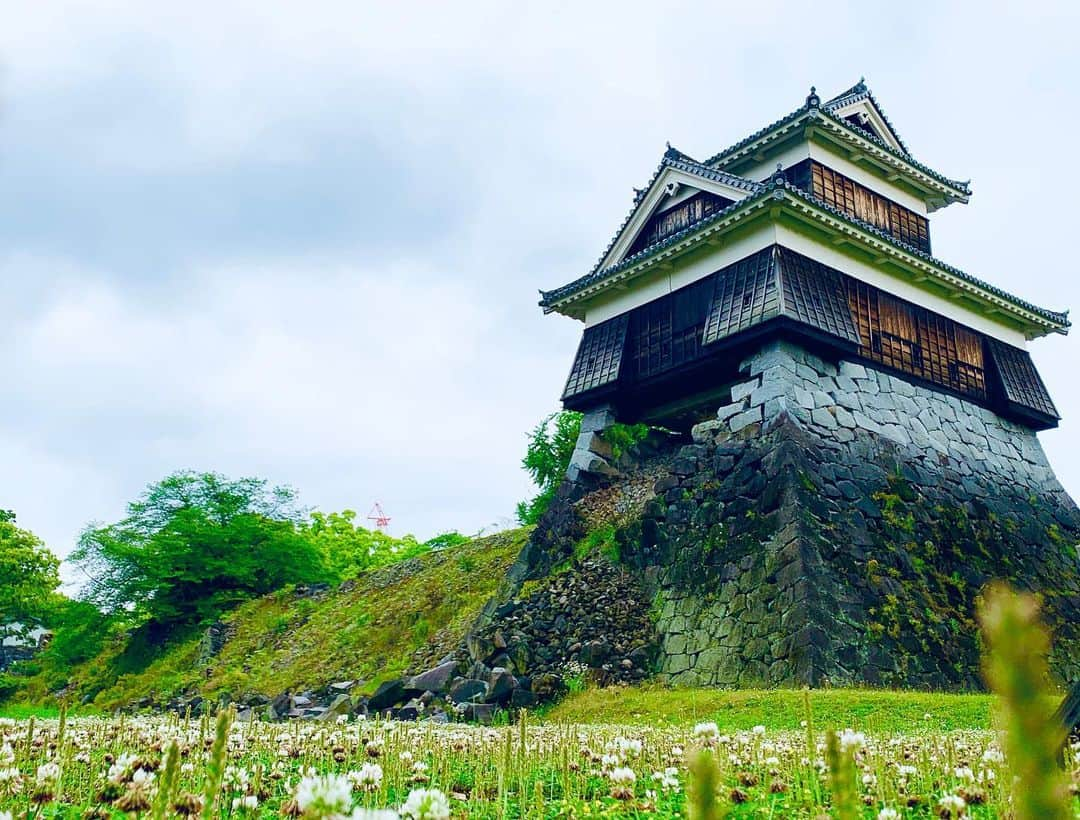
x=833, y=524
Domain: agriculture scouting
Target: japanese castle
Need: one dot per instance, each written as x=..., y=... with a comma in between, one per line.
x=815, y=230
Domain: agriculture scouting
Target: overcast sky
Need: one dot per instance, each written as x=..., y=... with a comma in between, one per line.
x=303, y=241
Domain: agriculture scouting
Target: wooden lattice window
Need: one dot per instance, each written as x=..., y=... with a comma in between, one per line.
x=599, y=357
x=860, y=202
x=670, y=222
x=666, y=333
x=1020, y=381
x=911, y=339
x=746, y=293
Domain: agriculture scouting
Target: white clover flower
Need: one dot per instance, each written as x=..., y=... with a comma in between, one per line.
x=954, y=804
x=851, y=740
x=758, y=731
x=608, y=762
x=772, y=761
x=47, y=773
x=623, y=776
x=368, y=777
x=993, y=756
x=140, y=777
x=187, y=768
x=888, y=814
x=676, y=751
x=668, y=780
x=249, y=802
x=627, y=747
x=869, y=780
x=5, y=815
x=342, y=719
x=707, y=733
x=964, y=773
x=426, y=804
x=420, y=767
x=324, y=795
x=405, y=756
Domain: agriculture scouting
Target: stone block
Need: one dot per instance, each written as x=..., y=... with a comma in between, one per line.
x=743, y=390
x=852, y=370
x=741, y=420
x=597, y=419
x=824, y=418
x=705, y=432
x=729, y=410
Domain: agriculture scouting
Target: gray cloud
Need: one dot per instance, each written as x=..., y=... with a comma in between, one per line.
x=304, y=241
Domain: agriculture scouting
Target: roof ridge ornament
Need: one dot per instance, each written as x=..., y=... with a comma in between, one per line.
x=778, y=178
x=812, y=99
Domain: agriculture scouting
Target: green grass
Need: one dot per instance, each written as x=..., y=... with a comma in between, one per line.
x=367, y=630
x=882, y=711
x=25, y=711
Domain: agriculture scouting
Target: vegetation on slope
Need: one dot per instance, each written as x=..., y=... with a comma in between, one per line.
x=368, y=629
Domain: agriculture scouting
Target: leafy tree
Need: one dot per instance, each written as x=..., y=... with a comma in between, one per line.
x=194, y=545
x=29, y=575
x=547, y=456
x=351, y=549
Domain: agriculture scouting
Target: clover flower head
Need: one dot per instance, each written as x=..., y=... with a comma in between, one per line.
x=368, y=777
x=851, y=740
x=954, y=804
x=888, y=814
x=47, y=773
x=324, y=795
x=426, y=804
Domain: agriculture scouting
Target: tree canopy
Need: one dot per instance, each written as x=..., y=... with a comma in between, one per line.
x=195, y=544
x=550, y=447
x=29, y=575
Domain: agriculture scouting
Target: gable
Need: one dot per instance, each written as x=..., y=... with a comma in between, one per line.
x=680, y=194
x=858, y=108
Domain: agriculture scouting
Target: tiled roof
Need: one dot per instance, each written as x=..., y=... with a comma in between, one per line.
x=857, y=92
x=775, y=185
x=826, y=110
x=673, y=158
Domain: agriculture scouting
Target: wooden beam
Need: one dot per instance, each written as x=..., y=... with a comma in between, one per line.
x=840, y=240
x=856, y=156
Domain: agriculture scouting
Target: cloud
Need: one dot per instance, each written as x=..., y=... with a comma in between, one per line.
x=304, y=241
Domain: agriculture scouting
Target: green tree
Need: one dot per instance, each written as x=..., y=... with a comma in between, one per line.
x=194, y=545
x=29, y=575
x=351, y=549
x=547, y=456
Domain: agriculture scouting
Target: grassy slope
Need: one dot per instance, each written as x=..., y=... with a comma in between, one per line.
x=864, y=709
x=367, y=630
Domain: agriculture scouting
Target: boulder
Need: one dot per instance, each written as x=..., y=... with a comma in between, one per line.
x=469, y=691
x=389, y=694
x=522, y=698
x=433, y=680
x=480, y=712
x=341, y=705
x=501, y=685
x=410, y=711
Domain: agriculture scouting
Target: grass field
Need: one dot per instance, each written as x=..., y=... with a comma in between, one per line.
x=780, y=710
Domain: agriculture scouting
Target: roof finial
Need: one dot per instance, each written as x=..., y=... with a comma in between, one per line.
x=672, y=153
x=812, y=99
x=778, y=177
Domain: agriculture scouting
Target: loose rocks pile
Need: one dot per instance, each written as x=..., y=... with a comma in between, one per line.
x=594, y=616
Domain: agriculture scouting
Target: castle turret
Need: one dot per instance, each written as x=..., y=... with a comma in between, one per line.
x=814, y=229
x=862, y=455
